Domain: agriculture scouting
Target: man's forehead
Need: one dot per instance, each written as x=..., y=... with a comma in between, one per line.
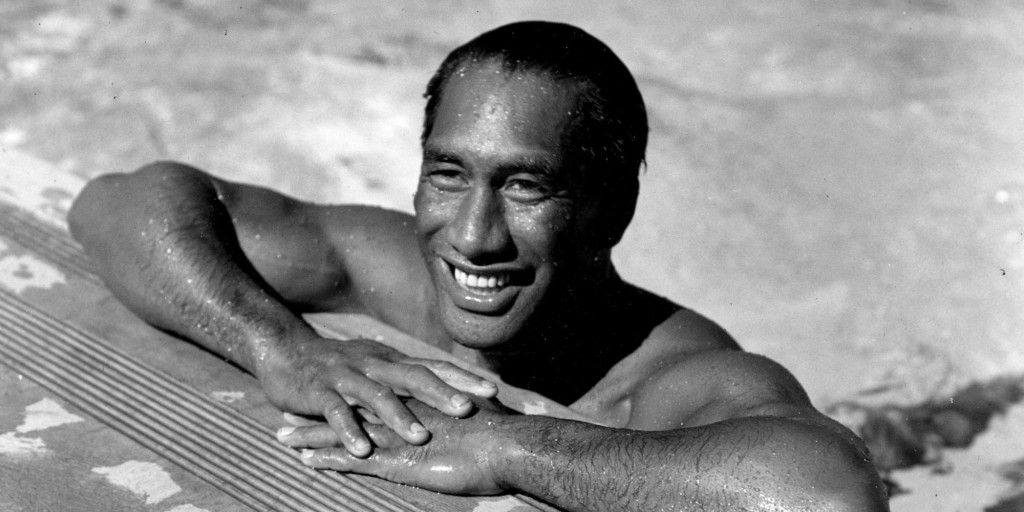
x=489, y=83
x=485, y=102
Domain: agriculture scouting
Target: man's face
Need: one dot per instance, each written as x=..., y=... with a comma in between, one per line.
x=499, y=224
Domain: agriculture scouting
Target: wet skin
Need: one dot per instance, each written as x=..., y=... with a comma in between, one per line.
x=501, y=266
x=494, y=201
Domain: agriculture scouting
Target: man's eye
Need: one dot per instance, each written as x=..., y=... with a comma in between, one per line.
x=446, y=179
x=525, y=190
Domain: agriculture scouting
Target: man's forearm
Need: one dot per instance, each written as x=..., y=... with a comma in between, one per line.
x=165, y=245
x=760, y=463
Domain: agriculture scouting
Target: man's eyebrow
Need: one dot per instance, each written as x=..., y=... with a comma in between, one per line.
x=524, y=164
x=435, y=154
x=529, y=165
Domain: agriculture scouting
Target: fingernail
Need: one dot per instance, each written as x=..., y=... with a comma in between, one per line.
x=459, y=400
x=416, y=429
x=361, y=446
x=285, y=431
x=306, y=454
x=488, y=384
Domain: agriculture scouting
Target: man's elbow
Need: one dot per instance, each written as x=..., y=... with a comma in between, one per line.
x=848, y=481
x=103, y=197
x=92, y=205
x=813, y=468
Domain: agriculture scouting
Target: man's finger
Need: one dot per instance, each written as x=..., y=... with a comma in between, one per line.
x=387, y=467
x=296, y=420
x=336, y=459
x=368, y=416
x=321, y=435
x=383, y=437
x=341, y=418
x=428, y=388
x=458, y=378
x=316, y=436
x=379, y=399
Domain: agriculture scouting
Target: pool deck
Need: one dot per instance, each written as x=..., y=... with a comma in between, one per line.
x=104, y=412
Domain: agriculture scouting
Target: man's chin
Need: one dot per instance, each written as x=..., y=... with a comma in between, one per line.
x=478, y=331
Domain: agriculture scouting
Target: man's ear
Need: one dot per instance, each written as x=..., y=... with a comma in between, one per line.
x=615, y=210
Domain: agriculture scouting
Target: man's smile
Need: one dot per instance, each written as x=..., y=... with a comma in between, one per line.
x=493, y=217
x=487, y=291
x=480, y=283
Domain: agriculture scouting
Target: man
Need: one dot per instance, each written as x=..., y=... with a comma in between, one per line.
x=532, y=142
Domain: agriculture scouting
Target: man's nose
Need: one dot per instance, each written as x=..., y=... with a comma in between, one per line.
x=479, y=231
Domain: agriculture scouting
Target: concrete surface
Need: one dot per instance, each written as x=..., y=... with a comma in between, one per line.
x=840, y=184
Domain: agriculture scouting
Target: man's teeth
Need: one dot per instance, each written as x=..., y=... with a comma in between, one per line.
x=478, y=281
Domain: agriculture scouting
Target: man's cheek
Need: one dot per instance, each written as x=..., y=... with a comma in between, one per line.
x=432, y=211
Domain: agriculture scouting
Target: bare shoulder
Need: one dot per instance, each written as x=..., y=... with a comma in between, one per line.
x=384, y=267
x=696, y=374
x=320, y=257
x=687, y=331
x=666, y=335
x=706, y=386
x=316, y=257
x=702, y=387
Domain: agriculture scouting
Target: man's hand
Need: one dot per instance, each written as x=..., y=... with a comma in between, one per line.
x=459, y=459
x=333, y=378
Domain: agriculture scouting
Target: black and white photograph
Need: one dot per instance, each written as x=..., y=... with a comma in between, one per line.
x=584, y=256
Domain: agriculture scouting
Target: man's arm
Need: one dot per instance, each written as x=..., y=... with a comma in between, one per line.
x=753, y=443
x=766, y=463
x=749, y=440
x=224, y=264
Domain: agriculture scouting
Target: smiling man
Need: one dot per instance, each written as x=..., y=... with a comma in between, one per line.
x=533, y=139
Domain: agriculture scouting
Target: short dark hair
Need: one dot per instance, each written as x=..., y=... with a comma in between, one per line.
x=610, y=129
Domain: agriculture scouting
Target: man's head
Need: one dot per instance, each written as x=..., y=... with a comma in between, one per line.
x=534, y=136
x=606, y=136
